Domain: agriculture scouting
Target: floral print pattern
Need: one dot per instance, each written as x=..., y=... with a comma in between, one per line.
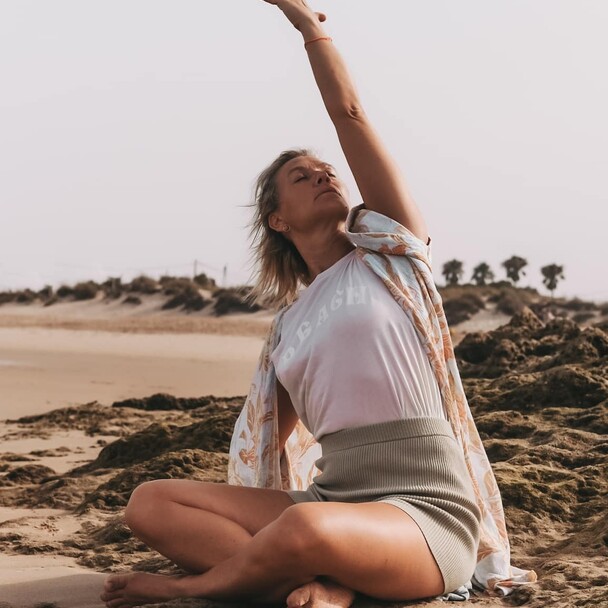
x=402, y=261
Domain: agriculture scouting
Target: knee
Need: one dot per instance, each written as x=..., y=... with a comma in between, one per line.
x=143, y=503
x=300, y=531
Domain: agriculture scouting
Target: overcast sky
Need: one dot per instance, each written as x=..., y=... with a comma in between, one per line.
x=131, y=132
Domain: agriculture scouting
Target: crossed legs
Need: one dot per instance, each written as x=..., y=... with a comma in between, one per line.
x=255, y=544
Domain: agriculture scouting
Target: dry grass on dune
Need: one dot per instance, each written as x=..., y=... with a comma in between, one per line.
x=182, y=304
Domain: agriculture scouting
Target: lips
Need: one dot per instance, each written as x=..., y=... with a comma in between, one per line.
x=328, y=190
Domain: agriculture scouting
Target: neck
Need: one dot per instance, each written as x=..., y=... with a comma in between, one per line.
x=319, y=256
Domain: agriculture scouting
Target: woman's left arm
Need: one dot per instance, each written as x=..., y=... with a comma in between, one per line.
x=379, y=179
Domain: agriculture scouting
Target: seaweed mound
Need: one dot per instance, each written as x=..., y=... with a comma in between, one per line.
x=27, y=474
x=529, y=343
x=212, y=434
x=164, y=401
x=539, y=394
x=194, y=464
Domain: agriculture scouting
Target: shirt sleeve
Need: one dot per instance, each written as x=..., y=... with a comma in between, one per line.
x=378, y=232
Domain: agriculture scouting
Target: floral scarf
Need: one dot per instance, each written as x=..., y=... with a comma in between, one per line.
x=402, y=261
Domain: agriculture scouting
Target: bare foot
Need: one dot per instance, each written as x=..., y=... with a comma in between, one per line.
x=137, y=589
x=321, y=594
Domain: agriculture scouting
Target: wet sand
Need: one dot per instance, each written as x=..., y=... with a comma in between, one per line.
x=42, y=369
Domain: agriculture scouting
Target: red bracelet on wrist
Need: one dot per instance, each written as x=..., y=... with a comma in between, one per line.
x=315, y=39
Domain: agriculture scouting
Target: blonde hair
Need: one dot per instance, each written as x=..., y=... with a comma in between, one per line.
x=280, y=267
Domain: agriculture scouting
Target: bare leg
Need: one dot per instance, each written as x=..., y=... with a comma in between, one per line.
x=198, y=525
x=308, y=540
x=196, y=538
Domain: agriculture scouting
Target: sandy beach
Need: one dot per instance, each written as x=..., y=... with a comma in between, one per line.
x=43, y=368
x=96, y=353
x=69, y=460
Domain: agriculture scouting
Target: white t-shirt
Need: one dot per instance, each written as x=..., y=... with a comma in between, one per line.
x=349, y=356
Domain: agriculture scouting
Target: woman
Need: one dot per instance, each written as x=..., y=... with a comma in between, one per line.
x=356, y=382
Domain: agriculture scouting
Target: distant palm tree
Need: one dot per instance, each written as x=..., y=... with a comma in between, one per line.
x=513, y=267
x=452, y=271
x=482, y=273
x=551, y=275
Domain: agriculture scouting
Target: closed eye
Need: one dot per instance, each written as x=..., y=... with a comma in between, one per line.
x=304, y=177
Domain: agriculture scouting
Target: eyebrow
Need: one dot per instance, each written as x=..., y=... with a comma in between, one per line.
x=325, y=166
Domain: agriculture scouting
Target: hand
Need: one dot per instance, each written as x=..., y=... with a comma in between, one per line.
x=297, y=11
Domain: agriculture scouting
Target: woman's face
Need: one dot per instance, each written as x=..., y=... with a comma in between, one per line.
x=309, y=192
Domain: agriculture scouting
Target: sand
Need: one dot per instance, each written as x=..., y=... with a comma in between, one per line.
x=77, y=352
x=48, y=581
x=41, y=368
x=101, y=314
x=88, y=352
x=538, y=391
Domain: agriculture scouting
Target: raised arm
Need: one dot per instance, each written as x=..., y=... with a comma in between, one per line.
x=377, y=175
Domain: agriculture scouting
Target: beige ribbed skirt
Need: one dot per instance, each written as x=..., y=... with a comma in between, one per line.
x=415, y=464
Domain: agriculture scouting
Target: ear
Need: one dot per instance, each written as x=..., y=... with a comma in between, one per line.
x=275, y=222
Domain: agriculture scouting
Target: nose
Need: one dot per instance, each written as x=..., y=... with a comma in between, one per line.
x=321, y=175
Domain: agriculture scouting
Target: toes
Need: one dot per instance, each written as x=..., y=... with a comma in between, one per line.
x=321, y=593
x=107, y=596
x=115, y=581
x=114, y=590
x=118, y=603
x=299, y=597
